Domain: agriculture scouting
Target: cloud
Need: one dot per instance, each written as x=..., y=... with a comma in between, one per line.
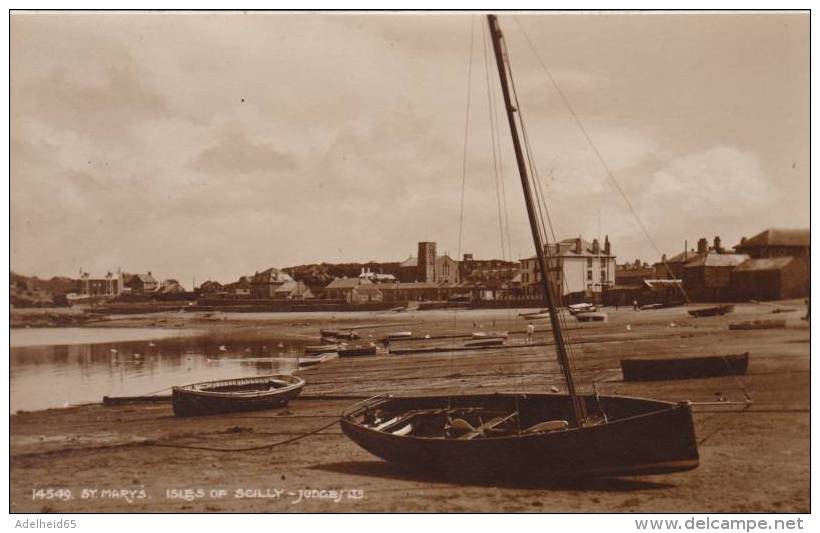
x=216, y=144
x=236, y=153
x=719, y=182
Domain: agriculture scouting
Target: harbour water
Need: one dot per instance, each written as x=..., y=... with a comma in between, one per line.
x=60, y=367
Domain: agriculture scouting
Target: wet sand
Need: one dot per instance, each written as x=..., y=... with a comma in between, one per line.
x=753, y=459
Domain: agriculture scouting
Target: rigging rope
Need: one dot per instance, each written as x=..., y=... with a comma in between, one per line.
x=493, y=142
x=541, y=226
x=464, y=166
x=498, y=171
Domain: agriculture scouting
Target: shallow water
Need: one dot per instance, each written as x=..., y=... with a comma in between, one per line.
x=75, y=367
x=64, y=336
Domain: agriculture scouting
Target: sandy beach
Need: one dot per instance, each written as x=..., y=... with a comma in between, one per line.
x=754, y=458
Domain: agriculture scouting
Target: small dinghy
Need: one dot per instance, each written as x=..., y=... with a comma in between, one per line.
x=489, y=335
x=543, y=313
x=356, y=351
x=232, y=395
x=581, y=308
x=313, y=360
x=707, y=366
x=535, y=316
x=716, y=310
x=497, y=341
x=322, y=348
x=758, y=324
x=399, y=335
x=592, y=317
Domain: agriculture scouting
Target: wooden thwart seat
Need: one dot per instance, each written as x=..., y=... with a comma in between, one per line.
x=549, y=425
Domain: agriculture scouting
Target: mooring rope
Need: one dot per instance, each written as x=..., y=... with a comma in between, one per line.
x=248, y=449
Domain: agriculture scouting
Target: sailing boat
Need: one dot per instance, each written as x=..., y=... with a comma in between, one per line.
x=521, y=436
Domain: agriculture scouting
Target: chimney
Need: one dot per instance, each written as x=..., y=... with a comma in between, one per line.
x=703, y=245
x=468, y=257
x=578, y=245
x=607, y=249
x=718, y=249
x=595, y=247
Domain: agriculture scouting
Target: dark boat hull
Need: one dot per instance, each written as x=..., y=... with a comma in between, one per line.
x=357, y=352
x=711, y=311
x=493, y=341
x=642, y=437
x=187, y=401
x=684, y=368
x=758, y=324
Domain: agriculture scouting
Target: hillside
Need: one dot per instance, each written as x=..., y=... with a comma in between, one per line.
x=25, y=291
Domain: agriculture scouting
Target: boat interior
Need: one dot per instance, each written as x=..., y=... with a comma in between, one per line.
x=479, y=417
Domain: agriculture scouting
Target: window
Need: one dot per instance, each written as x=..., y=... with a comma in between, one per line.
x=589, y=275
x=603, y=276
x=589, y=262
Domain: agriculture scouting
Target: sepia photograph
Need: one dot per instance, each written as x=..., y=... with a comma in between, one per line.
x=277, y=261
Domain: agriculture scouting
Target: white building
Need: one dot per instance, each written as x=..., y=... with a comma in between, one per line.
x=581, y=266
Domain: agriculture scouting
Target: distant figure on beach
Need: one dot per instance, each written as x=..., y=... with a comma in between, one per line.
x=530, y=331
x=634, y=305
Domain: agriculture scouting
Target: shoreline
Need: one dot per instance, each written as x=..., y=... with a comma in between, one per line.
x=111, y=448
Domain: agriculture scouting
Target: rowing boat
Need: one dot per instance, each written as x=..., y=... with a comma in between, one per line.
x=493, y=341
x=652, y=369
x=313, y=360
x=716, y=310
x=356, y=351
x=591, y=317
x=322, y=348
x=231, y=395
x=758, y=324
x=489, y=335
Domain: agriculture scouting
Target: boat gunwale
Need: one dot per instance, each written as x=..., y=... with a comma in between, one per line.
x=654, y=359
x=294, y=382
x=346, y=416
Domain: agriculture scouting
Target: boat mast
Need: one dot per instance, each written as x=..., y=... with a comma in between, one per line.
x=577, y=407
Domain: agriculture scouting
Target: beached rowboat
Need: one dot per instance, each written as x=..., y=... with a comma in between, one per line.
x=355, y=351
x=652, y=369
x=399, y=335
x=717, y=310
x=231, y=395
x=489, y=335
x=497, y=341
x=592, y=317
x=758, y=324
x=312, y=360
x=322, y=348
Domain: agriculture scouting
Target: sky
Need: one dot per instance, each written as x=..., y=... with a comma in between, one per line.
x=213, y=145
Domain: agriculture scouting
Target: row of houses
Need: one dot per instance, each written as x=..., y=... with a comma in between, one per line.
x=772, y=265
x=114, y=285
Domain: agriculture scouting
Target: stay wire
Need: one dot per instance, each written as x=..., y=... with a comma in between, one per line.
x=540, y=226
x=599, y=156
